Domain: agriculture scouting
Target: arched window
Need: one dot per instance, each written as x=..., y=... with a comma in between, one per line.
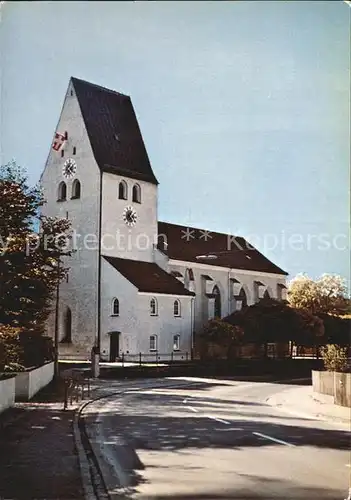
x=76, y=190
x=136, y=193
x=67, y=326
x=176, y=342
x=62, y=192
x=242, y=298
x=266, y=295
x=115, y=307
x=217, y=304
x=176, y=308
x=123, y=190
x=153, y=343
x=189, y=278
x=153, y=307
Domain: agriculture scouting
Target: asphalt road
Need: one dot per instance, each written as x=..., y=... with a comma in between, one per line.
x=214, y=440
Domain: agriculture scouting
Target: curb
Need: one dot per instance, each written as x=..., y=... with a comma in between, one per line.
x=84, y=466
x=281, y=405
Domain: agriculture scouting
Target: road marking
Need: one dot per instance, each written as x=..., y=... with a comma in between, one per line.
x=218, y=420
x=227, y=429
x=192, y=408
x=272, y=439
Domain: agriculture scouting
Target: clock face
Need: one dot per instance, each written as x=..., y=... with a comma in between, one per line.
x=69, y=168
x=130, y=216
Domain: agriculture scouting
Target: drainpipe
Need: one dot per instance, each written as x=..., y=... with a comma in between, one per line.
x=192, y=321
x=229, y=311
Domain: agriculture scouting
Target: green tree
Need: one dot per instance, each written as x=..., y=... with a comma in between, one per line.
x=335, y=358
x=218, y=339
x=273, y=321
x=31, y=263
x=326, y=295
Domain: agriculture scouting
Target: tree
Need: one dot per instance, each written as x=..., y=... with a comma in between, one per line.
x=273, y=321
x=335, y=358
x=217, y=339
x=31, y=263
x=326, y=295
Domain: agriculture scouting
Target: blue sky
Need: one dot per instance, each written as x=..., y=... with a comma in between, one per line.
x=243, y=106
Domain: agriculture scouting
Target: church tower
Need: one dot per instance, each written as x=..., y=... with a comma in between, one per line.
x=97, y=175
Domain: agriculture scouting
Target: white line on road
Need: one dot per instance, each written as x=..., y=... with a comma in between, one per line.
x=227, y=429
x=272, y=439
x=218, y=420
x=192, y=408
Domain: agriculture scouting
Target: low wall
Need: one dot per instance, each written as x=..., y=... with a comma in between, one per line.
x=7, y=393
x=335, y=384
x=30, y=382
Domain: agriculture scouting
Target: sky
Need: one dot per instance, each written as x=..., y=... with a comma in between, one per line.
x=243, y=107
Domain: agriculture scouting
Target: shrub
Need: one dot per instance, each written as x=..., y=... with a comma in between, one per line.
x=335, y=358
x=10, y=348
x=36, y=349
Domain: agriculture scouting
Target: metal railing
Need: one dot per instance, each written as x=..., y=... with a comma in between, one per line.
x=154, y=357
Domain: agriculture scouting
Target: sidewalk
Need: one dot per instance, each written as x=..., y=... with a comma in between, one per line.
x=38, y=458
x=302, y=401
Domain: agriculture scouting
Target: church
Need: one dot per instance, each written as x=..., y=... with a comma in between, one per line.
x=135, y=284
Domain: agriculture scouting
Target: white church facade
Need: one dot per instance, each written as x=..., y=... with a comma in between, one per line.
x=135, y=284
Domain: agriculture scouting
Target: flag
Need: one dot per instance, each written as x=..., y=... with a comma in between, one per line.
x=59, y=141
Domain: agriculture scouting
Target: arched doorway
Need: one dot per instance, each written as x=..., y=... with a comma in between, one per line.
x=67, y=326
x=266, y=295
x=217, y=303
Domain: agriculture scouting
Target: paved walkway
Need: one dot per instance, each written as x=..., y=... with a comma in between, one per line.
x=38, y=459
x=301, y=400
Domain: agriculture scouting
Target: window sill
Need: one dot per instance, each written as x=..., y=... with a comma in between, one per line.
x=114, y=315
x=153, y=314
x=177, y=316
x=61, y=199
x=75, y=197
x=153, y=350
x=138, y=202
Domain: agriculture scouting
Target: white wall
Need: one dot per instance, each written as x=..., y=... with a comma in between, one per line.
x=134, y=321
x=30, y=382
x=134, y=242
x=80, y=293
x=220, y=277
x=7, y=393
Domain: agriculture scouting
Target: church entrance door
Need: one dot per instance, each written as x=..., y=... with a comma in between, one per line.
x=114, y=346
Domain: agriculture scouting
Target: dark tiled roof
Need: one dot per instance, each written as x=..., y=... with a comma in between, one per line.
x=225, y=252
x=113, y=131
x=148, y=277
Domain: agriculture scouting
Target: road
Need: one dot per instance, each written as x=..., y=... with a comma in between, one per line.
x=207, y=439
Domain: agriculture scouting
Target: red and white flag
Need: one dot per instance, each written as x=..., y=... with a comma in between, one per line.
x=59, y=141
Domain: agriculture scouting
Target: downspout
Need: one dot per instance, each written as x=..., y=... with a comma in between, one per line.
x=192, y=320
x=229, y=311
x=98, y=340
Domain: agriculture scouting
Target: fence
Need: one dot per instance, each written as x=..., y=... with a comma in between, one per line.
x=334, y=384
x=154, y=357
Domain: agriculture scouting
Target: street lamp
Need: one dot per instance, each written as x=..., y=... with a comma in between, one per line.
x=56, y=335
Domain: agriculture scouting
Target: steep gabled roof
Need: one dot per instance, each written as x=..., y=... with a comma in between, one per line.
x=215, y=249
x=113, y=131
x=148, y=276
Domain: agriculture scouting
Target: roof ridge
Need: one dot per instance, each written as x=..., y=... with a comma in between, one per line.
x=74, y=78
x=201, y=229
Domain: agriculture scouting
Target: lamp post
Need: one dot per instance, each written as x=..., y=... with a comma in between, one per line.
x=56, y=336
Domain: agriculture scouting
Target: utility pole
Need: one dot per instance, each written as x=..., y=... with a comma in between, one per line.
x=56, y=337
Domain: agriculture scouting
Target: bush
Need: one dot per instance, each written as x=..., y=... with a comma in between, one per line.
x=20, y=350
x=36, y=349
x=10, y=348
x=335, y=358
